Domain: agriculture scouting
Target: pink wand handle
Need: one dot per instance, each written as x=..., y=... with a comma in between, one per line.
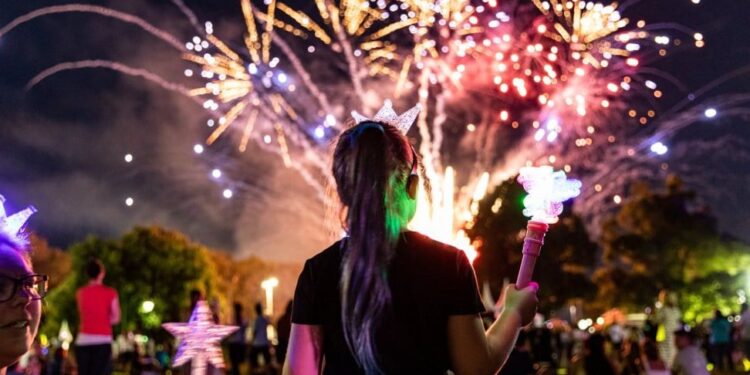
x=532, y=247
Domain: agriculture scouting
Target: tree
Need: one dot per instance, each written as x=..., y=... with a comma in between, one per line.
x=667, y=240
x=568, y=257
x=161, y=266
x=147, y=264
x=49, y=261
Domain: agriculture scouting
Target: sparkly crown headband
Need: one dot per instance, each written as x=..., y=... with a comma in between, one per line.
x=387, y=115
x=11, y=225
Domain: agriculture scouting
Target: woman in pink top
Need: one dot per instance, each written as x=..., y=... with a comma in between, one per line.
x=98, y=309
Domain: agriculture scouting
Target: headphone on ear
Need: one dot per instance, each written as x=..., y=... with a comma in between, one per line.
x=412, y=182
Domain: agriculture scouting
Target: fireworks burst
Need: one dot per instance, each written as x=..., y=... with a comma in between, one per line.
x=567, y=76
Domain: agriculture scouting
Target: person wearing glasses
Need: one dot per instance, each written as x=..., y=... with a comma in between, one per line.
x=98, y=309
x=21, y=292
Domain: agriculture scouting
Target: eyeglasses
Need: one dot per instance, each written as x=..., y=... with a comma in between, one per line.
x=34, y=285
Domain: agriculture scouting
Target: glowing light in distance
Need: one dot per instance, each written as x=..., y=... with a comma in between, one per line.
x=216, y=173
x=330, y=121
x=710, y=113
x=129, y=201
x=585, y=323
x=319, y=132
x=147, y=306
x=128, y=158
x=198, y=149
x=659, y=148
x=663, y=40
x=227, y=193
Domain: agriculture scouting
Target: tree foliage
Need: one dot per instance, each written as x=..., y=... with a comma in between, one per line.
x=147, y=264
x=49, y=261
x=162, y=266
x=667, y=240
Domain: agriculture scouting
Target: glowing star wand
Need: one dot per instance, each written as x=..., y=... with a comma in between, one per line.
x=547, y=190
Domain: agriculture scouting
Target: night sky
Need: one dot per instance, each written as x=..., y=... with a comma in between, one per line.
x=62, y=143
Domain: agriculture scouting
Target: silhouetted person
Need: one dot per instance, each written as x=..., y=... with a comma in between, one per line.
x=652, y=362
x=596, y=361
x=745, y=329
x=519, y=362
x=283, y=330
x=689, y=359
x=719, y=341
x=237, y=344
x=260, y=345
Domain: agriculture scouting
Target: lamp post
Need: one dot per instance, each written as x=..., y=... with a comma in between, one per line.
x=268, y=285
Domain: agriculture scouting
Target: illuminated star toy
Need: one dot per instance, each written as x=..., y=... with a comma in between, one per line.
x=547, y=190
x=12, y=225
x=199, y=340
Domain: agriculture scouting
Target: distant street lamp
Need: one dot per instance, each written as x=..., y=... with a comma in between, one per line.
x=268, y=284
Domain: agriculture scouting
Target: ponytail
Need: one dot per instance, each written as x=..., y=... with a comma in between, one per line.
x=367, y=162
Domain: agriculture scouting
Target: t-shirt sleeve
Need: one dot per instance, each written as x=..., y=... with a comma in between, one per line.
x=466, y=299
x=304, y=308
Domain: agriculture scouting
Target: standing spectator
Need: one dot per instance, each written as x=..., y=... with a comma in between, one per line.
x=260, y=344
x=719, y=341
x=98, y=309
x=650, y=326
x=126, y=350
x=283, y=331
x=237, y=344
x=195, y=296
x=213, y=305
x=652, y=362
x=631, y=355
x=689, y=359
x=669, y=317
x=596, y=361
x=519, y=362
x=745, y=330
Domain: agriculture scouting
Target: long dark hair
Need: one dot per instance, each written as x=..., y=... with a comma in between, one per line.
x=371, y=166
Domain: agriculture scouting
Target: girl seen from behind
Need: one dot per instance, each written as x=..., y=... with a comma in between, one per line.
x=385, y=300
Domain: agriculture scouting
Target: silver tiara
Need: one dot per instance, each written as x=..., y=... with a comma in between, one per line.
x=387, y=115
x=11, y=225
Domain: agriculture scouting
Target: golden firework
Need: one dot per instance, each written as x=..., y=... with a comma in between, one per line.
x=593, y=31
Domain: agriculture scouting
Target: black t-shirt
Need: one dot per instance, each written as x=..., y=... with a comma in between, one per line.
x=429, y=281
